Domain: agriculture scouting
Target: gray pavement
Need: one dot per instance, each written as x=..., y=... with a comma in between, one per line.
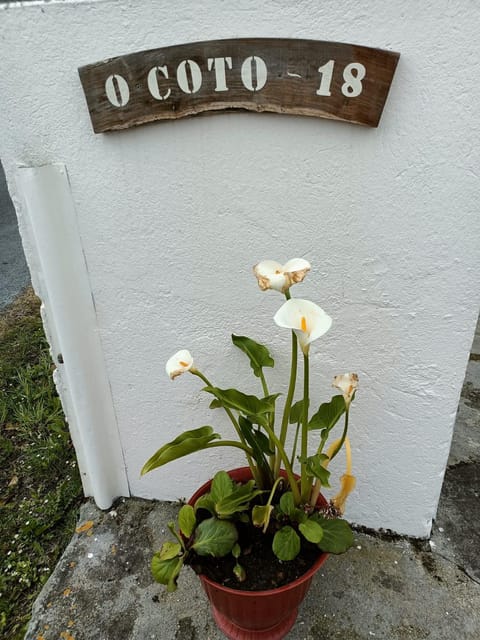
x=14, y=275
x=382, y=589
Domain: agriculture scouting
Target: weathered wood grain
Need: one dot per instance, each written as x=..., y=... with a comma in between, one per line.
x=282, y=77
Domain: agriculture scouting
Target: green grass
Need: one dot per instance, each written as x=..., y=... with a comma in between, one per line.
x=40, y=487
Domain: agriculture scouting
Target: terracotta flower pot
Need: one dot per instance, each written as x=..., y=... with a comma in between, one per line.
x=255, y=615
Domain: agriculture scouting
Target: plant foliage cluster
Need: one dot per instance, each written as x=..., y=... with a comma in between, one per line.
x=283, y=496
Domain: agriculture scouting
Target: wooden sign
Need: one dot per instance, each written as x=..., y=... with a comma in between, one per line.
x=300, y=77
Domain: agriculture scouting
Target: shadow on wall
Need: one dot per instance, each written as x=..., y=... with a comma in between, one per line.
x=14, y=275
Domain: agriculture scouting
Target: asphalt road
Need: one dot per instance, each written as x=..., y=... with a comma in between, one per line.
x=14, y=275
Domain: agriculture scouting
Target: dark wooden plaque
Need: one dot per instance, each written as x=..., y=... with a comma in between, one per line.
x=300, y=77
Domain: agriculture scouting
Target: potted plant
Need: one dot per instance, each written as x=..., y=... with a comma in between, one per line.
x=257, y=534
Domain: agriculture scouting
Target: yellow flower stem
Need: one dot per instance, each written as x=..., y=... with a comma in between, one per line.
x=251, y=464
x=344, y=435
x=348, y=454
x=290, y=393
x=305, y=481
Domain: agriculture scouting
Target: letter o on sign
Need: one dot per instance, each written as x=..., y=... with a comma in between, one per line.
x=117, y=90
x=195, y=73
x=247, y=73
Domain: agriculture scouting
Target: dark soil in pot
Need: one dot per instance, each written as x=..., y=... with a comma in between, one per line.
x=263, y=569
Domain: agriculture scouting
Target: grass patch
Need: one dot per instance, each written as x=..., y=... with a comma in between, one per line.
x=40, y=487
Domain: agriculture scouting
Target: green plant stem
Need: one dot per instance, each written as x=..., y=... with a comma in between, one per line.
x=229, y=443
x=271, y=418
x=317, y=486
x=295, y=442
x=251, y=464
x=290, y=393
x=288, y=467
x=344, y=435
x=305, y=481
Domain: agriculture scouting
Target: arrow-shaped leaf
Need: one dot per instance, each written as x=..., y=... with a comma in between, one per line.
x=186, y=443
x=328, y=414
x=258, y=354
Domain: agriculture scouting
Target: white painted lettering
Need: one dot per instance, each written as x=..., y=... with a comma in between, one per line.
x=219, y=65
x=195, y=76
x=116, y=88
x=254, y=66
x=352, y=87
x=326, y=72
x=152, y=81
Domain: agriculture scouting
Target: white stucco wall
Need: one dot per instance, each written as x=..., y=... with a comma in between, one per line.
x=170, y=218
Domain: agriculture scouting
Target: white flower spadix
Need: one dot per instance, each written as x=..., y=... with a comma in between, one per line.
x=179, y=363
x=273, y=275
x=308, y=320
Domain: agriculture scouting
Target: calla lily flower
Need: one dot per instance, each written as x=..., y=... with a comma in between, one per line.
x=179, y=363
x=347, y=383
x=306, y=318
x=273, y=275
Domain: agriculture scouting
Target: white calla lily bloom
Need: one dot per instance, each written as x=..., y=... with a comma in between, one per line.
x=308, y=320
x=273, y=275
x=347, y=383
x=179, y=363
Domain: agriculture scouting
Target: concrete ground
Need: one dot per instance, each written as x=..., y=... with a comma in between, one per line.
x=382, y=589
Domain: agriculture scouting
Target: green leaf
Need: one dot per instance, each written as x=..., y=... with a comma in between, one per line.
x=261, y=515
x=287, y=504
x=258, y=354
x=248, y=405
x=238, y=500
x=187, y=520
x=215, y=537
x=296, y=412
x=328, y=414
x=315, y=469
x=169, y=550
x=236, y=551
x=205, y=502
x=286, y=544
x=222, y=486
x=166, y=571
x=311, y=530
x=337, y=535
x=186, y=443
x=254, y=437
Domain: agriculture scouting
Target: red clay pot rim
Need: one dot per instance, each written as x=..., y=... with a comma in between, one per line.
x=267, y=592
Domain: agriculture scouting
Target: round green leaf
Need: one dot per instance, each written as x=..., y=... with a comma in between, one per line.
x=215, y=537
x=311, y=530
x=286, y=544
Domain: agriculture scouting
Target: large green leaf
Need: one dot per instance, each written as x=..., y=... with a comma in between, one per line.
x=215, y=537
x=245, y=404
x=258, y=354
x=260, y=445
x=186, y=443
x=222, y=486
x=311, y=530
x=315, y=469
x=337, y=535
x=187, y=520
x=286, y=543
x=296, y=412
x=166, y=571
x=328, y=414
x=238, y=500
